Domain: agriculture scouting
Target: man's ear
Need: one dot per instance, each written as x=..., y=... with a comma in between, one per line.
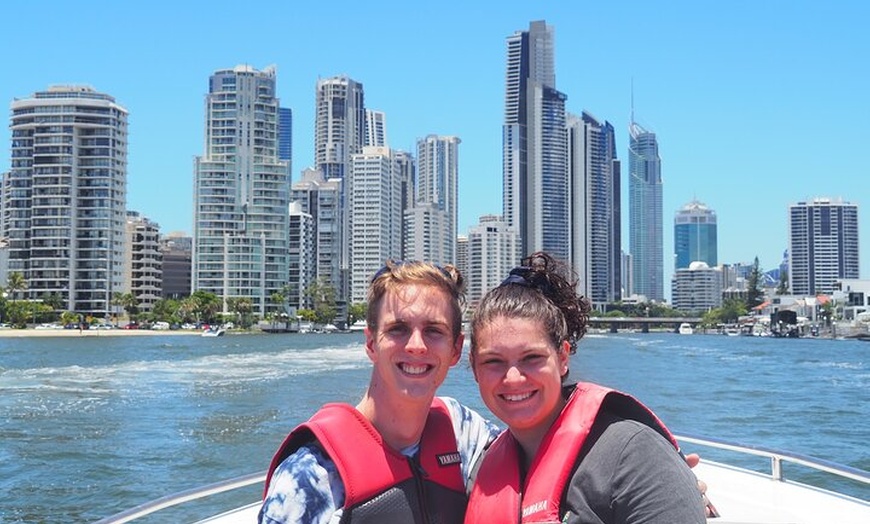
x=370, y=343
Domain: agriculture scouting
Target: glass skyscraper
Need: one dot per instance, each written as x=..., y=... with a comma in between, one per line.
x=241, y=192
x=285, y=136
x=695, y=235
x=645, y=213
x=534, y=145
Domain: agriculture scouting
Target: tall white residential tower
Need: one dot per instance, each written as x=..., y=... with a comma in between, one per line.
x=65, y=196
x=241, y=191
x=376, y=205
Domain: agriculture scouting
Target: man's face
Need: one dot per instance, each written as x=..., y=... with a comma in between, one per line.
x=413, y=346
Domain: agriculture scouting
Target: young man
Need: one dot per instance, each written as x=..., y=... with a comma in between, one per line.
x=401, y=455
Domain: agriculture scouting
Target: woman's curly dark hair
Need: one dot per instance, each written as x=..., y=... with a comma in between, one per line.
x=542, y=289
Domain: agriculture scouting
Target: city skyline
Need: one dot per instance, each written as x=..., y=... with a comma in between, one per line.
x=728, y=90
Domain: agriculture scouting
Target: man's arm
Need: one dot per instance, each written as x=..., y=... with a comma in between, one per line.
x=305, y=489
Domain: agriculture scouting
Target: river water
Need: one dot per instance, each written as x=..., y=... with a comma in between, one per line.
x=92, y=426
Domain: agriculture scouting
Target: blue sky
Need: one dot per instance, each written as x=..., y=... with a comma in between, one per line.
x=757, y=105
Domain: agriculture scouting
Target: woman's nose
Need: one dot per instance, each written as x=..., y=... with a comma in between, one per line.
x=513, y=373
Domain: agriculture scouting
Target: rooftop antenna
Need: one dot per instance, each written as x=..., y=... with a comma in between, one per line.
x=632, y=100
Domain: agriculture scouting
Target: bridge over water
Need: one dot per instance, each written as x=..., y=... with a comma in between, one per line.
x=614, y=324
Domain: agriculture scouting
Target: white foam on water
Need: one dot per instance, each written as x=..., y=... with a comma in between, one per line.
x=79, y=388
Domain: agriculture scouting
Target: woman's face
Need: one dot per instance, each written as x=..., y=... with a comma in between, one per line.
x=519, y=373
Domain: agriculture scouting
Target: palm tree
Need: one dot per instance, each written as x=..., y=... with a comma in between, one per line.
x=208, y=304
x=188, y=308
x=15, y=283
x=127, y=301
x=323, y=297
x=242, y=307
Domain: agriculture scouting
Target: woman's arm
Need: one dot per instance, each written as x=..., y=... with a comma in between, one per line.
x=629, y=474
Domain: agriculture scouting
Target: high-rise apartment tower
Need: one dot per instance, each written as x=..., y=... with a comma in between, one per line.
x=241, y=192
x=595, y=208
x=339, y=133
x=823, y=245
x=65, y=196
x=437, y=190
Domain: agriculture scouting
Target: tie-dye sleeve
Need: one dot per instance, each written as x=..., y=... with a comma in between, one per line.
x=305, y=489
x=473, y=435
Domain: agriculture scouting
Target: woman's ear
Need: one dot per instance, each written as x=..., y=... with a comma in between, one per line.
x=564, y=357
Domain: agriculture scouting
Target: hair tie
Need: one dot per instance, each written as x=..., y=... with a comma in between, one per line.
x=517, y=276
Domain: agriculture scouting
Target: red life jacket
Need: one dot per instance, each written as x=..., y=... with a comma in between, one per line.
x=497, y=493
x=381, y=484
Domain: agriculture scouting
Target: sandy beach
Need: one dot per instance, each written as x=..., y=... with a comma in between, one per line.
x=11, y=333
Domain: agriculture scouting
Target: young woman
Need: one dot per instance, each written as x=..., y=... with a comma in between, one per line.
x=573, y=452
x=401, y=455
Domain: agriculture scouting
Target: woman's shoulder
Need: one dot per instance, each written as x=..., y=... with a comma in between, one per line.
x=621, y=433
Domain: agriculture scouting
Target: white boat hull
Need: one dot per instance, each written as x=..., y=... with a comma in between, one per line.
x=742, y=496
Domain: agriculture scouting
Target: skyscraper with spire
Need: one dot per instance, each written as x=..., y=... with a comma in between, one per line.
x=645, y=212
x=534, y=144
x=241, y=191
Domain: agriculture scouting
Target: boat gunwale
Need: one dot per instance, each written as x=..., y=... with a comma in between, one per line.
x=181, y=497
x=777, y=458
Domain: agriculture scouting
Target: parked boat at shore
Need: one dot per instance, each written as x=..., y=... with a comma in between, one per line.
x=686, y=329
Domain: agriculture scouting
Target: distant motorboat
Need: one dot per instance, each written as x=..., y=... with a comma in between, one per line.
x=731, y=330
x=214, y=332
x=686, y=329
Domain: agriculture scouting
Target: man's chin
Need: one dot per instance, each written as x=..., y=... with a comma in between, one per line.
x=419, y=392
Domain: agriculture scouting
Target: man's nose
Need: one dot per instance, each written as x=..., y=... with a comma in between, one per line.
x=416, y=344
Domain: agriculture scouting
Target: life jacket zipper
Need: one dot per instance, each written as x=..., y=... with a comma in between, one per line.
x=419, y=476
